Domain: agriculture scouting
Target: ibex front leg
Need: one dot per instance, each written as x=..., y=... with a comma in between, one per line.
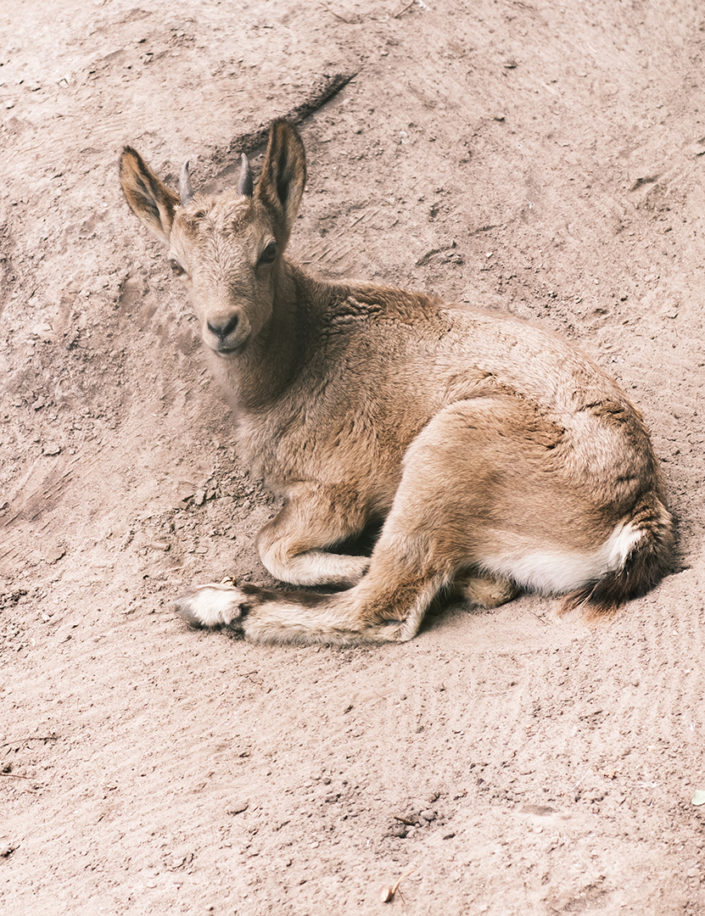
x=387, y=604
x=290, y=547
x=314, y=517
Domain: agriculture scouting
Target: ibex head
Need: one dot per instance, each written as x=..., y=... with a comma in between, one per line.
x=228, y=246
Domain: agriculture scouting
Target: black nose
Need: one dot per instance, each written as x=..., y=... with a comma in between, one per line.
x=222, y=330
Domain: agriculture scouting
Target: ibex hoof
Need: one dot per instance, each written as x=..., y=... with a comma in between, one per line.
x=213, y=605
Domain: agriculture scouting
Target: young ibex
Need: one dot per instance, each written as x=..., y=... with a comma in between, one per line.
x=498, y=457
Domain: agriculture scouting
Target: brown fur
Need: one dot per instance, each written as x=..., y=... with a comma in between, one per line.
x=498, y=456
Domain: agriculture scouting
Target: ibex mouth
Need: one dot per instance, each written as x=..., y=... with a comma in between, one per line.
x=229, y=351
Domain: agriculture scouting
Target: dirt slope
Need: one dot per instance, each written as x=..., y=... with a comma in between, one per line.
x=546, y=158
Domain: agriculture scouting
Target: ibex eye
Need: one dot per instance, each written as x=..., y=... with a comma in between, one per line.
x=176, y=268
x=269, y=254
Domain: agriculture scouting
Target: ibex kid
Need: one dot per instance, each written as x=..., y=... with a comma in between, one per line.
x=498, y=457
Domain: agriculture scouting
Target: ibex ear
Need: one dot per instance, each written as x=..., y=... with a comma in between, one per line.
x=151, y=200
x=283, y=177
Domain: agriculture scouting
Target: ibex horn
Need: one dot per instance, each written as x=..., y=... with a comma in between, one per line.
x=185, y=189
x=244, y=185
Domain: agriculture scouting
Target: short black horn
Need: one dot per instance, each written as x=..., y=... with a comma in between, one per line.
x=244, y=185
x=185, y=189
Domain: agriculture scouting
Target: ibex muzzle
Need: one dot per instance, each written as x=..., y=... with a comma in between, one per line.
x=498, y=457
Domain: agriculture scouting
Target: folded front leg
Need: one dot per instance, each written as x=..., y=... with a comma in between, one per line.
x=314, y=517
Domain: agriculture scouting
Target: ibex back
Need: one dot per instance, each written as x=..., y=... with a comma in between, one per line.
x=498, y=457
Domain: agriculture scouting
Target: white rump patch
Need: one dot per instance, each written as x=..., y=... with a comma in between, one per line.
x=552, y=570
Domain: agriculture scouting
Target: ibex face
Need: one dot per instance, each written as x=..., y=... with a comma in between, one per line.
x=227, y=249
x=228, y=246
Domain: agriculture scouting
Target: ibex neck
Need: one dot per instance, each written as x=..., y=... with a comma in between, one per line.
x=257, y=377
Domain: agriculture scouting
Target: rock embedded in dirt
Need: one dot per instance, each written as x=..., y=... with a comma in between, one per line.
x=238, y=807
x=55, y=554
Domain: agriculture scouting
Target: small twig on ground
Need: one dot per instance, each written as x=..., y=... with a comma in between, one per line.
x=387, y=894
x=403, y=10
x=52, y=737
x=252, y=141
x=366, y=214
x=339, y=17
x=250, y=675
x=404, y=820
x=539, y=617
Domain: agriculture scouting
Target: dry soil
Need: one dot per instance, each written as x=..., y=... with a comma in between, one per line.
x=542, y=157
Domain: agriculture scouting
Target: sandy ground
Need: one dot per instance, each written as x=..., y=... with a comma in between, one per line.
x=541, y=157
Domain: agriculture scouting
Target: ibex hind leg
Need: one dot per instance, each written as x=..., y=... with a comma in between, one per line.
x=301, y=617
x=484, y=591
x=344, y=619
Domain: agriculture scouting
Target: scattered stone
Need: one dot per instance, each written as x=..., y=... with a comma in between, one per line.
x=640, y=182
x=51, y=448
x=160, y=545
x=238, y=807
x=55, y=553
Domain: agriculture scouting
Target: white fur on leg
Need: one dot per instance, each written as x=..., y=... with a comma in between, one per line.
x=211, y=605
x=313, y=567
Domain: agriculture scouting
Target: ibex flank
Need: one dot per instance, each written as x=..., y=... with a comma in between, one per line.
x=497, y=457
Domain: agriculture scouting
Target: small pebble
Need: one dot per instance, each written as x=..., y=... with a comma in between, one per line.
x=238, y=807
